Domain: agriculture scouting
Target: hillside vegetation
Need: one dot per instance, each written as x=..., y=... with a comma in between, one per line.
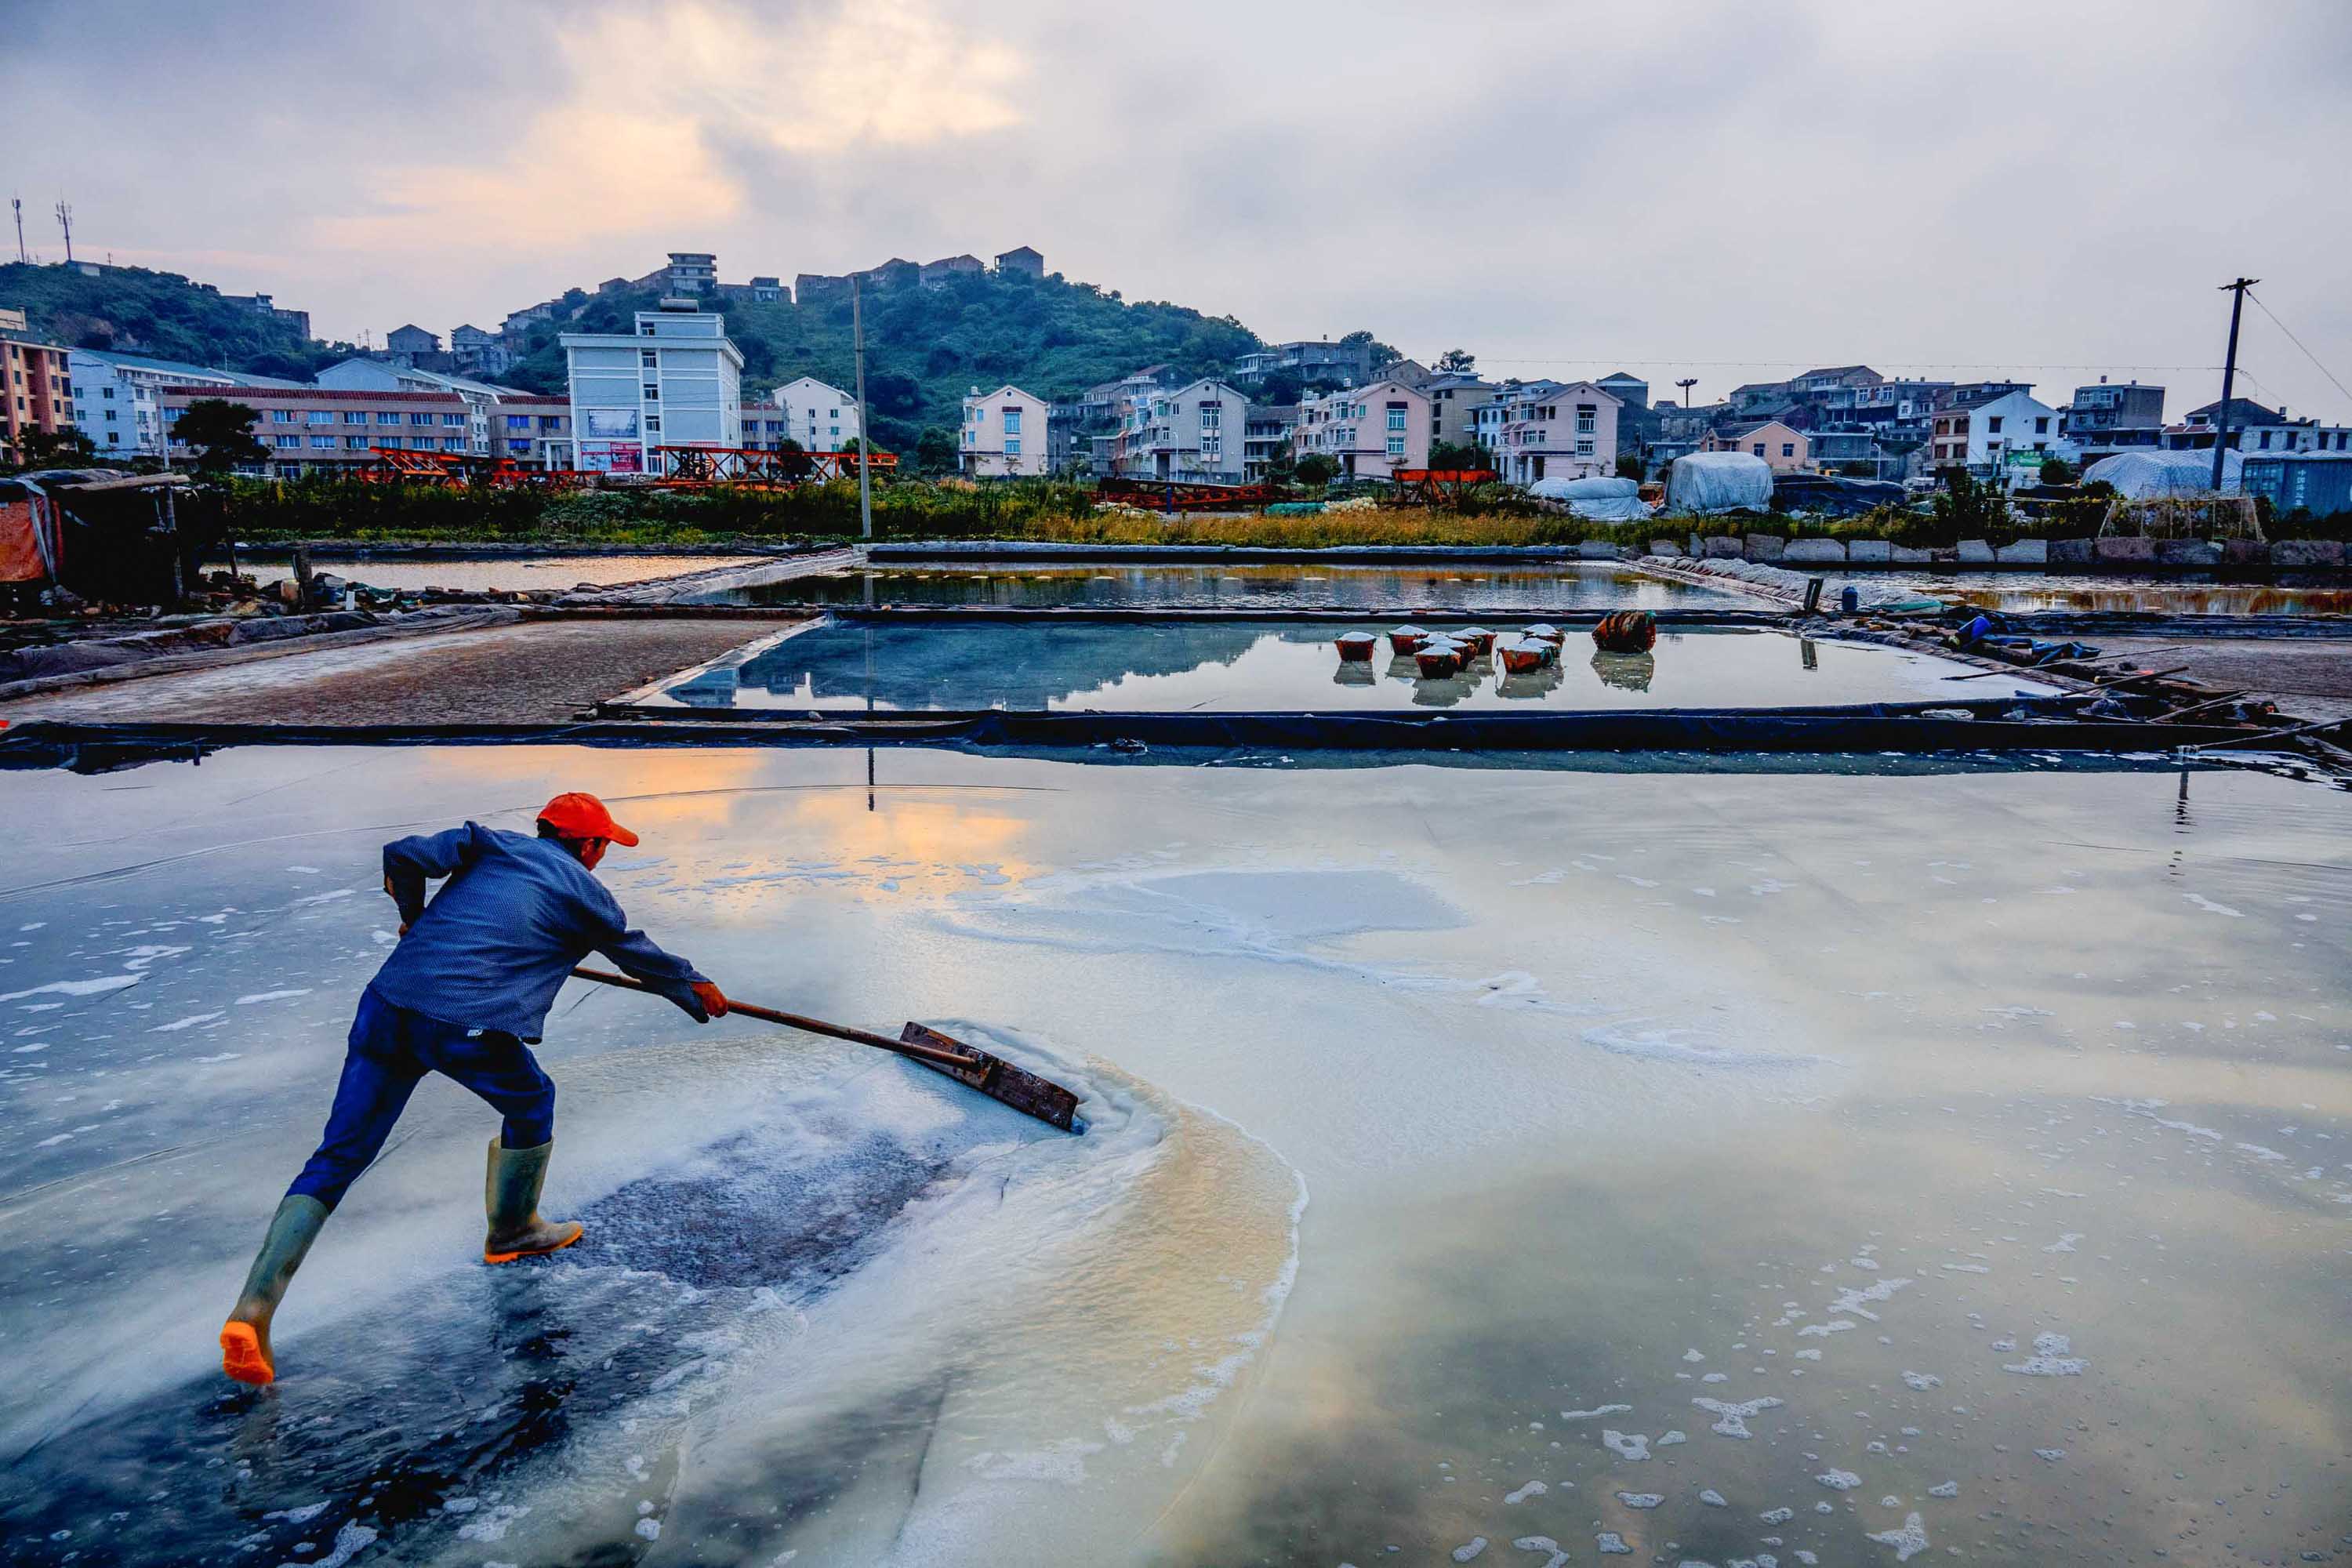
x=925, y=347
x=159, y=313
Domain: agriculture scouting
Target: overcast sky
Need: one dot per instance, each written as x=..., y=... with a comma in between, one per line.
x=1730, y=191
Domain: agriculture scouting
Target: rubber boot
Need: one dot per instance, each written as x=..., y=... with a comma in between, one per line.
x=510, y=1194
x=245, y=1338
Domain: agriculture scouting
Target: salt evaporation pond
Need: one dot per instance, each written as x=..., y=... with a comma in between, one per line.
x=516, y=574
x=1566, y=585
x=1245, y=666
x=2086, y=592
x=1807, y=1163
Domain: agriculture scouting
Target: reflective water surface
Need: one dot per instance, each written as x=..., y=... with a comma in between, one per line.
x=2086, y=592
x=1569, y=586
x=1240, y=667
x=521, y=573
x=1718, y=1167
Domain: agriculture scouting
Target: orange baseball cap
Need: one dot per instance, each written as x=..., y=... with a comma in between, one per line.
x=578, y=816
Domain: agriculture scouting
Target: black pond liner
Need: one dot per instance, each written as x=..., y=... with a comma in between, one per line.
x=1865, y=729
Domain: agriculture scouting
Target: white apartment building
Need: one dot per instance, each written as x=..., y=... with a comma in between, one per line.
x=1369, y=431
x=677, y=381
x=2006, y=435
x=1195, y=434
x=1003, y=434
x=1566, y=432
x=822, y=418
x=116, y=402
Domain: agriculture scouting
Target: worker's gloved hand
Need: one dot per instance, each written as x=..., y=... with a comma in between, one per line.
x=713, y=1000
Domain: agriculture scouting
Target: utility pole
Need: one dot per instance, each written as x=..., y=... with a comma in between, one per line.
x=2230, y=371
x=1687, y=383
x=865, y=426
x=65, y=221
x=18, y=202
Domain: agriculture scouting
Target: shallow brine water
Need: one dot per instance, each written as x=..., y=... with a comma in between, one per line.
x=516, y=574
x=1723, y=1166
x=1569, y=585
x=1244, y=666
x=2085, y=592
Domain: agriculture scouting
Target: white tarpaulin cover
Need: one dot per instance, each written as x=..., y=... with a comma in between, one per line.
x=2138, y=476
x=1719, y=482
x=1597, y=500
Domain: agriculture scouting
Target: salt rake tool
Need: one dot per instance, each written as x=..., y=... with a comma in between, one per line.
x=995, y=1077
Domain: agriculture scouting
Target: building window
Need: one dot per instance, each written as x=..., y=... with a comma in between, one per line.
x=1396, y=417
x=550, y=421
x=646, y=357
x=453, y=419
x=356, y=443
x=1760, y=449
x=420, y=419
x=652, y=392
x=354, y=416
x=1587, y=416
x=1788, y=449
x=653, y=424
x=387, y=418
x=1013, y=422
x=1396, y=446
x=1013, y=446
x=319, y=417
x=1992, y=425
x=281, y=416
x=518, y=421
x=108, y=393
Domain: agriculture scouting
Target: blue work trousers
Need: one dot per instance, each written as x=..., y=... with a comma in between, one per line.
x=392, y=1048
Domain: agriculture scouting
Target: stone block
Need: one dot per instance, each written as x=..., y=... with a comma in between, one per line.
x=2025, y=552
x=2244, y=551
x=1904, y=555
x=1666, y=547
x=1722, y=549
x=1860, y=551
x=2188, y=552
x=2124, y=551
x=1765, y=546
x=2307, y=552
x=2071, y=552
x=1596, y=550
x=1814, y=549
x=1975, y=553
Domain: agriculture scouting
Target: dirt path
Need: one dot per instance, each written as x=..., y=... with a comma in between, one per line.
x=533, y=673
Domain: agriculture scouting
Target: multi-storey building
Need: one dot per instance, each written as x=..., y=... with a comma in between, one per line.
x=36, y=389
x=1005, y=434
x=2113, y=416
x=2253, y=428
x=1487, y=418
x=1566, y=432
x=481, y=398
x=677, y=381
x=1196, y=434
x=1455, y=400
x=1266, y=433
x=308, y=428
x=1316, y=362
x=533, y=431
x=2005, y=435
x=821, y=417
x=1369, y=431
x=1021, y=259
x=117, y=401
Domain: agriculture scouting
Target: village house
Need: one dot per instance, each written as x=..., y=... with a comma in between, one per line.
x=1369, y=432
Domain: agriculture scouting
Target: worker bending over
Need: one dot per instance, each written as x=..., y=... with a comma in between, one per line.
x=465, y=994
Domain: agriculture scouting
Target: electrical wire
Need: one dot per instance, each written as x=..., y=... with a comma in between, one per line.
x=2283, y=327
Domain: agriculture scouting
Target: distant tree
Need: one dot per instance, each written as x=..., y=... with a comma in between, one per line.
x=220, y=433
x=1281, y=465
x=1281, y=388
x=935, y=451
x=1315, y=468
x=63, y=448
x=2057, y=471
x=1382, y=354
x=1629, y=466
x=1457, y=362
x=1965, y=508
x=1859, y=470
x=1456, y=455
x=792, y=460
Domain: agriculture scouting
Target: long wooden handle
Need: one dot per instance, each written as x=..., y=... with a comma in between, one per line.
x=812, y=1026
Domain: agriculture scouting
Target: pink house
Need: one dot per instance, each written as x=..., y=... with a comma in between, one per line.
x=1558, y=432
x=1369, y=431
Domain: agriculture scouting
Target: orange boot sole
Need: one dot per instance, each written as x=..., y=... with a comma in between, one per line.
x=242, y=1357
x=577, y=1232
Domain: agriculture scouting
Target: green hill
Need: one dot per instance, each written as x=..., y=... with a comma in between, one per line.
x=159, y=313
x=925, y=347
